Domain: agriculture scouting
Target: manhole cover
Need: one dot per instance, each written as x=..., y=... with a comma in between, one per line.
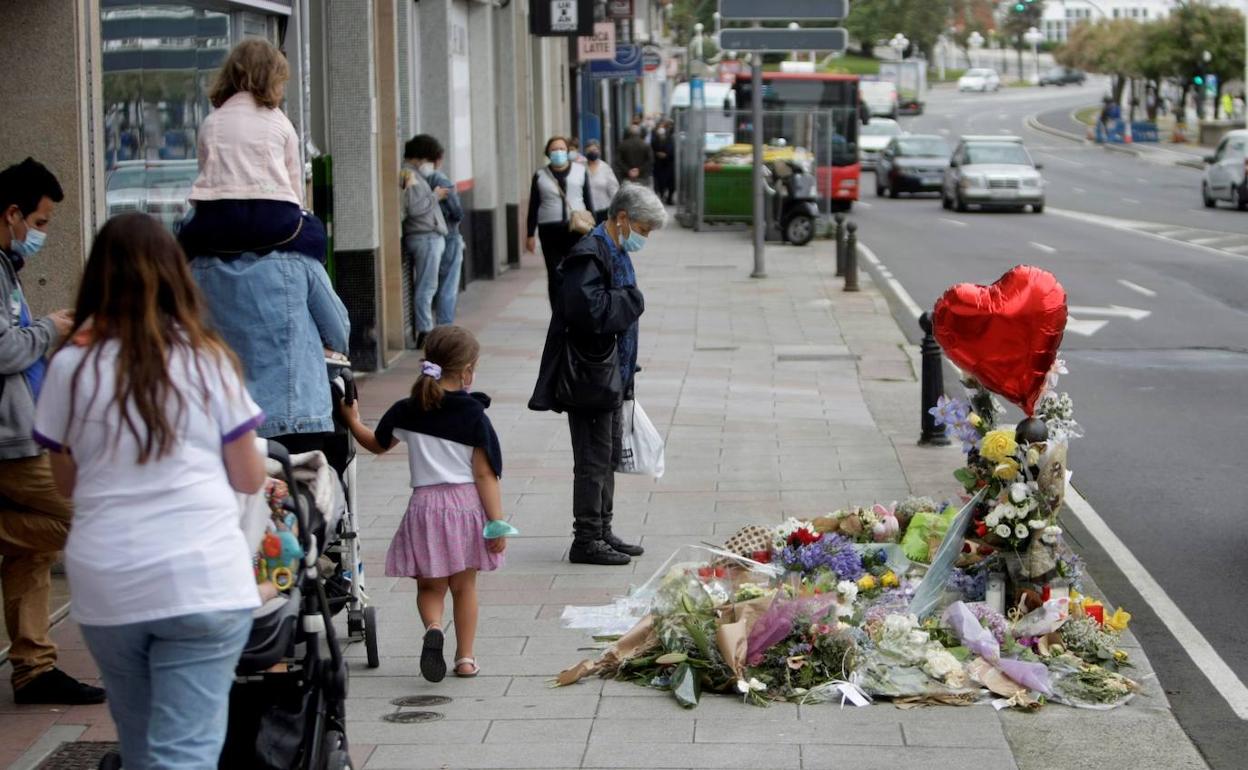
x=421, y=700
x=412, y=717
x=85, y=755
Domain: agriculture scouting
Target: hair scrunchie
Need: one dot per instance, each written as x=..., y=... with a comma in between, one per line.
x=431, y=369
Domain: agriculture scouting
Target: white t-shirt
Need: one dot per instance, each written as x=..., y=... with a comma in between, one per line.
x=160, y=539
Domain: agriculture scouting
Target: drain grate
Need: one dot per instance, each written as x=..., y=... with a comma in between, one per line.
x=83, y=755
x=421, y=700
x=413, y=717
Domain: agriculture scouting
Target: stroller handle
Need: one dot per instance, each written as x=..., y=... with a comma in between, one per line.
x=349, y=392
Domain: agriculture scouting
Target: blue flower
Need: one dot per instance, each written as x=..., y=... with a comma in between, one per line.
x=950, y=411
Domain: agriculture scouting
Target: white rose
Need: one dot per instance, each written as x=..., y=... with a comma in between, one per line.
x=1020, y=531
x=1005, y=511
x=847, y=590
x=1037, y=524
x=992, y=519
x=1018, y=492
x=1003, y=530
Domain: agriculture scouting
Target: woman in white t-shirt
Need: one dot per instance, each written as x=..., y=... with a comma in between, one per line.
x=151, y=432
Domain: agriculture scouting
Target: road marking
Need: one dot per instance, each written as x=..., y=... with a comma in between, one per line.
x=1173, y=234
x=1218, y=239
x=1189, y=637
x=1132, y=201
x=1140, y=228
x=1219, y=674
x=943, y=130
x=865, y=205
x=1140, y=289
x=1084, y=328
x=953, y=222
x=1113, y=311
x=1042, y=247
x=1141, y=180
x=1079, y=190
x=1237, y=249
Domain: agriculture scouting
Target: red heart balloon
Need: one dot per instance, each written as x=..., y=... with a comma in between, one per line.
x=1006, y=335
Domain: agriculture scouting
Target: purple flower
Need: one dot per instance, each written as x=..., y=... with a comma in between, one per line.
x=991, y=620
x=833, y=553
x=971, y=584
x=802, y=648
x=950, y=411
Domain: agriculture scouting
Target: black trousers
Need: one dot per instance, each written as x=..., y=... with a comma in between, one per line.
x=557, y=240
x=596, y=448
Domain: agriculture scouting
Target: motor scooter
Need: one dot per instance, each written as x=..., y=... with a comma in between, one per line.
x=795, y=206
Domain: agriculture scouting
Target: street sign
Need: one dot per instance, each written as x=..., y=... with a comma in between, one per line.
x=783, y=10
x=625, y=66
x=651, y=58
x=619, y=9
x=563, y=16
x=784, y=40
x=697, y=94
x=600, y=47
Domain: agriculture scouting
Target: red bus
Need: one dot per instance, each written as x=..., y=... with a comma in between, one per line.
x=818, y=111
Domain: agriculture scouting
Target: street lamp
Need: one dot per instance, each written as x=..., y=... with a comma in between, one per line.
x=976, y=42
x=1034, y=37
x=899, y=44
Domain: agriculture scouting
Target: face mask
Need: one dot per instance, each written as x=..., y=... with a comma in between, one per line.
x=425, y=168
x=662, y=132
x=634, y=243
x=593, y=155
x=559, y=158
x=30, y=245
x=573, y=154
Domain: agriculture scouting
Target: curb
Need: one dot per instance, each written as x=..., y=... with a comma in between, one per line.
x=1033, y=122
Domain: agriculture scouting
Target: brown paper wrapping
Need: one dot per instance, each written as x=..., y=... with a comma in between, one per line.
x=639, y=638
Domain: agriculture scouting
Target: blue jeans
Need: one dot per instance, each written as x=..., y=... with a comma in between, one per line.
x=425, y=251
x=448, y=279
x=168, y=685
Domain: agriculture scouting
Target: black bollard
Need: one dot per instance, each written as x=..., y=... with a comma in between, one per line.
x=933, y=386
x=839, y=233
x=851, y=257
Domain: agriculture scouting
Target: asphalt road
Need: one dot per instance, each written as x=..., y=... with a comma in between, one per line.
x=1158, y=364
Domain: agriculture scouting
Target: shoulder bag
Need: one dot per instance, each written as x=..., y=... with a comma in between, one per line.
x=579, y=222
x=589, y=380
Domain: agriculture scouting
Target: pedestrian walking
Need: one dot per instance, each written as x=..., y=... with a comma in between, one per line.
x=451, y=266
x=634, y=158
x=574, y=150
x=34, y=516
x=603, y=184
x=257, y=256
x=424, y=228
x=151, y=431
x=455, y=463
x=589, y=361
x=559, y=196
x=664, y=147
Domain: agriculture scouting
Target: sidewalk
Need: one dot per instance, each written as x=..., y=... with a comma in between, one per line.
x=779, y=397
x=1062, y=123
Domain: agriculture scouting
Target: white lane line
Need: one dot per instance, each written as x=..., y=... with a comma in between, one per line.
x=1135, y=287
x=1079, y=190
x=943, y=130
x=893, y=283
x=953, y=222
x=1170, y=234
x=1042, y=247
x=1237, y=249
x=865, y=205
x=1189, y=637
x=1084, y=328
x=1129, y=226
x=1132, y=201
x=1141, y=180
x=1218, y=239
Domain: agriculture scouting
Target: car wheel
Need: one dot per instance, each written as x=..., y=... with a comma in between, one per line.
x=879, y=186
x=1241, y=199
x=959, y=204
x=944, y=201
x=893, y=192
x=1037, y=208
x=799, y=230
x=1206, y=197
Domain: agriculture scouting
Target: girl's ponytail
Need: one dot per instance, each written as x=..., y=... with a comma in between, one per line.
x=449, y=351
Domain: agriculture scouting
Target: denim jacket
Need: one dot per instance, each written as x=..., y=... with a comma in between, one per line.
x=278, y=312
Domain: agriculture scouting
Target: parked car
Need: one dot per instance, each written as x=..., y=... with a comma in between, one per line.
x=980, y=79
x=1226, y=172
x=880, y=96
x=873, y=137
x=993, y=172
x=913, y=163
x=156, y=187
x=1060, y=76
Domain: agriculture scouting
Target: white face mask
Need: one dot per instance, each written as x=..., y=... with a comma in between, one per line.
x=426, y=168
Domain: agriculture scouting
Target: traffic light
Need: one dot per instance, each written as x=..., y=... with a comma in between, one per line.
x=1019, y=7
x=1199, y=80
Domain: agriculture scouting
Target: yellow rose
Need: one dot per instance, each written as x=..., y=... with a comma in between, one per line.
x=889, y=579
x=866, y=582
x=1119, y=620
x=998, y=445
x=1005, y=471
x=976, y=420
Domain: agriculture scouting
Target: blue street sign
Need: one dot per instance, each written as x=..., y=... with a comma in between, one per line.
x=697, y=94
x=625, y=66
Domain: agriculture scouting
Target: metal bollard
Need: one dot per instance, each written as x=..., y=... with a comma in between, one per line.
x=851, y=257
x=839, y=234
x=933, y=386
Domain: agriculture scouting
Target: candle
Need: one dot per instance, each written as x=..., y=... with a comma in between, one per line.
x=995, y=595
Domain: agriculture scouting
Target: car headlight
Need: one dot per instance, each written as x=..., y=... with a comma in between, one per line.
x=973, y=181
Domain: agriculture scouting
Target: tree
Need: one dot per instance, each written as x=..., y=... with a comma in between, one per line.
x=1022, y=16
x=921, y=21
x=970, y=16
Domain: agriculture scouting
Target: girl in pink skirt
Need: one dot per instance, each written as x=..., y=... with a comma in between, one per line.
x=455, y=466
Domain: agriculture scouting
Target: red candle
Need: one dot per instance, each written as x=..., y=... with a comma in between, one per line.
x=1096, y=611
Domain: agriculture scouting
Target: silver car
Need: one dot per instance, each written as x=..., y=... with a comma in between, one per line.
x=873, y=137
x=993, y=172
x=1225, y=178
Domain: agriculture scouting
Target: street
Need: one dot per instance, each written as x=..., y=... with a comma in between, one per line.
x=1158, y=289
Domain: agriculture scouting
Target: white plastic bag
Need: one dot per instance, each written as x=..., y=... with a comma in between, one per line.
x=643, y=446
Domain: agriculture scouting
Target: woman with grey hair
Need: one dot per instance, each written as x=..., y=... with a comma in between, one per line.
x=589, y=362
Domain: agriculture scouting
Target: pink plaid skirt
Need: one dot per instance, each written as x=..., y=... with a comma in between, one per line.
x=440, y=534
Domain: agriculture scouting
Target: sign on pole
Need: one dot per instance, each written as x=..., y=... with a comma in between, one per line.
x=625, y=65
x=766, y=40
x=619, y=9
x=563, y=16
x=783, y=10
x=651, y=58
x=600, y=47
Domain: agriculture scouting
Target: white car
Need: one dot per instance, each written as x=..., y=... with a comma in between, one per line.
x=873, y=137
x=1226, y=172
x=156, y=187
x=880, y=96
x=980, y=79
x=993, y=172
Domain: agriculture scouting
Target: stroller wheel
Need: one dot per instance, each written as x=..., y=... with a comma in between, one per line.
x=110, y=761
x=355, y=624
x=370, y=636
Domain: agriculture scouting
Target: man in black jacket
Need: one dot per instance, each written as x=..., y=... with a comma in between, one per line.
x=594, y=322
x=634, y=158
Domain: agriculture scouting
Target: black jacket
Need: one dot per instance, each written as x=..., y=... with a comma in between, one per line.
x=634, y=152
x=590, y=311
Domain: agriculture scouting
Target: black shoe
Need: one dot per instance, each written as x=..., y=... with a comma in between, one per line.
x=619, y=545
x=432, y=661
x=597, y=552
x=420, y=340
x=55, y=687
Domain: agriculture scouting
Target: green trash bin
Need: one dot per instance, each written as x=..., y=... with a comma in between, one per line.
x=728, y=192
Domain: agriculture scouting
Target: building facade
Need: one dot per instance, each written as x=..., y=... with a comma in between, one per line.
x=1061, y=16
x=110, y=95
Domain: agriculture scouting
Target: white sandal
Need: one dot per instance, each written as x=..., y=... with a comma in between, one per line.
x=470, y=662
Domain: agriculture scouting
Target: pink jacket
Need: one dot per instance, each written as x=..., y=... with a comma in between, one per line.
x=248, y=152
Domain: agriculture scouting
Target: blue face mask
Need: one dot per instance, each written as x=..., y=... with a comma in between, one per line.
x=30, y=245
x=559, y=158
x=634, y=243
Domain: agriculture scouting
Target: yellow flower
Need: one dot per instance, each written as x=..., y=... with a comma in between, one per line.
x=1119, y=620
x=889, y=579
x=1006, y=470
x=998, y=445
x=976, y=420
x=1033, y=456
x=866, y=582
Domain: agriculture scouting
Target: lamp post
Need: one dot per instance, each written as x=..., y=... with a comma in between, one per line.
x=899, y=44
x=976, y=42
x=1034, y=37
